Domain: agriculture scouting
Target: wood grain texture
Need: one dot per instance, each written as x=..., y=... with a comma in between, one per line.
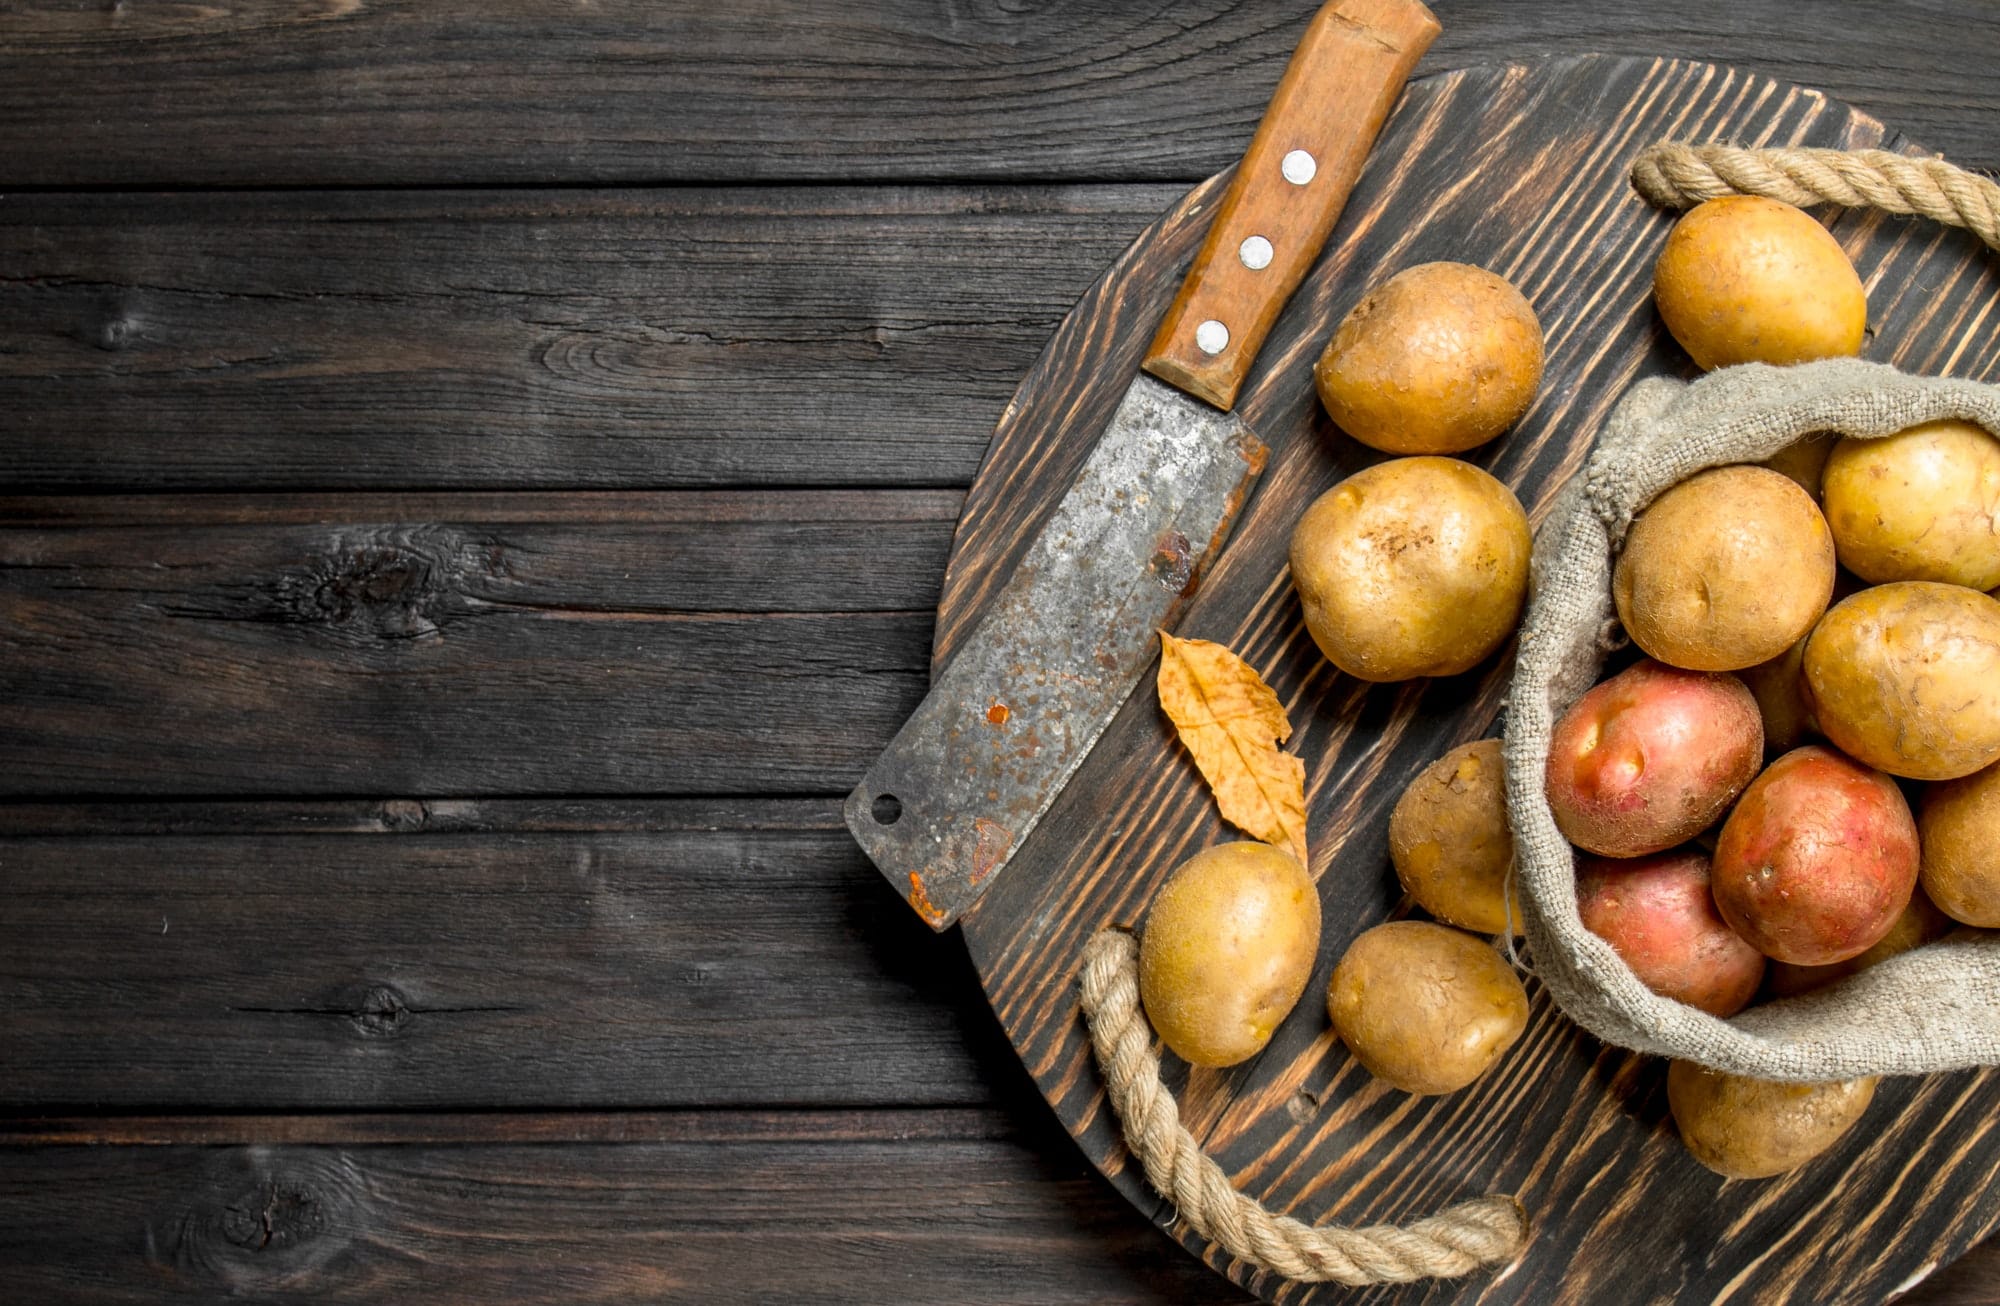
x=891, y=1206
x=290, y=92
x=531, y=339
x=1971, y=1280
x=822, y=335
x=463, y=644
x=1346, y=75
x=473, y=955
x=1521, y=170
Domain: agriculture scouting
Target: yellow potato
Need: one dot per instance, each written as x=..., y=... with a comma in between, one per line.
x=1958, y=823
x=1228, y=948
x=1805, y=460
x=1426, y=1008
x=1780, y=689
x=1413, y=567
x=1780, y=686
x=1452, y=847
x=1437, y=359
x=1726, y=570
x=1922, y=504
x=1753, y=1128
x=1906, y=678
x=1749, y=280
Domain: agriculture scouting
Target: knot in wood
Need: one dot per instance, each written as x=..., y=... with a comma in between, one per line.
x=387, y=589
x=258, y=1220
x=381, y=1012
x=384, y=583
x=276, y=1214
x=118, y=331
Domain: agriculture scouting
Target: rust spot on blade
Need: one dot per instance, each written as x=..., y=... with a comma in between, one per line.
x=991, y=849
x=997, y=714
x=920, y=901
x=1173, y=561
x=1254, y=453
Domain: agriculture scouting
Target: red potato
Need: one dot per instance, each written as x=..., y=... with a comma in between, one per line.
x=1920, y=923
x=1656, y=912
x=1818, y=859
x=1651, y=757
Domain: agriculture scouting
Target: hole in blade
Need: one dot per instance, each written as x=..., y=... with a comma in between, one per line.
x=887, y=809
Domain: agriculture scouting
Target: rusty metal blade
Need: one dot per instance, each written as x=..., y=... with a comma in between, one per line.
x=1064, y=644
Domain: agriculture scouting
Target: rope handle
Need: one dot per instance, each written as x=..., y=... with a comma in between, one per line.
x=1485, y=1231
x=1677, y=175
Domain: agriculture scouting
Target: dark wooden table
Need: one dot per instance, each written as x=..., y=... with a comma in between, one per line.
x=476, y=488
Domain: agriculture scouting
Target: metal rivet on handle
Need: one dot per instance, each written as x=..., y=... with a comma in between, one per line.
x=1211, y=337
x=1255, y=253
x=1299, y=167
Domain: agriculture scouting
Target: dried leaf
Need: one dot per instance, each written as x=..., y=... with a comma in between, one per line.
x=1232, y=724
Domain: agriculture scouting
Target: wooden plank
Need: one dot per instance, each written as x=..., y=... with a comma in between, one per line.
x=1032, y=1175
x=882, y=1207
x=692, y=957
x=521, y=1128
x=462, y=645
x=545, y=338
x=1523, y=172
x=542, y=815
x=267, y=92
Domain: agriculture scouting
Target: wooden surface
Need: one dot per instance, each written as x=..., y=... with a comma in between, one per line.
x=1520, y=169
x=479, y=480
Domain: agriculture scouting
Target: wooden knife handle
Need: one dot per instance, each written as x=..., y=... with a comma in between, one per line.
x=1294, y=179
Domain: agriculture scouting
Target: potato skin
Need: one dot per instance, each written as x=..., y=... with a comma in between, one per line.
x=1779, y=686
x=1922, y=504
x=1650, y=758
x=1437, y=359
x=1451, y=844
x=1817, y=860
x=1412, y=567
x=1906, y=677
x=1804, y=460
x=1228, y=948
x=1744, y=279
x=1754, y=1128
x=1426, y=1008
x=1959, y=823
x=1920, y=923
x=1657, y=913
x=1727, y=569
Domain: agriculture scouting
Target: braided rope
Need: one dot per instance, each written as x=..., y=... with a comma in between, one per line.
x=1486, y=1231
x=1674, y=174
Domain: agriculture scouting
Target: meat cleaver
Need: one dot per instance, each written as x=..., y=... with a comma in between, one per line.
x=1067, y=639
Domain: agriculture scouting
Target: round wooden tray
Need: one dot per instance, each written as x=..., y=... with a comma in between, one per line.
x=1521, y=169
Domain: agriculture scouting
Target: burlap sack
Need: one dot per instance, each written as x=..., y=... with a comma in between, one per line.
x=1936, y=1008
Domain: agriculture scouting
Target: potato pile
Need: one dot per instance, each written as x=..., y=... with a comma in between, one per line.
x=1835, y=594
x=1416, y=566
x=1798, y=778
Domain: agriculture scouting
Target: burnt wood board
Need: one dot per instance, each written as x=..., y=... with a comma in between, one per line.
x=1521, y=169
